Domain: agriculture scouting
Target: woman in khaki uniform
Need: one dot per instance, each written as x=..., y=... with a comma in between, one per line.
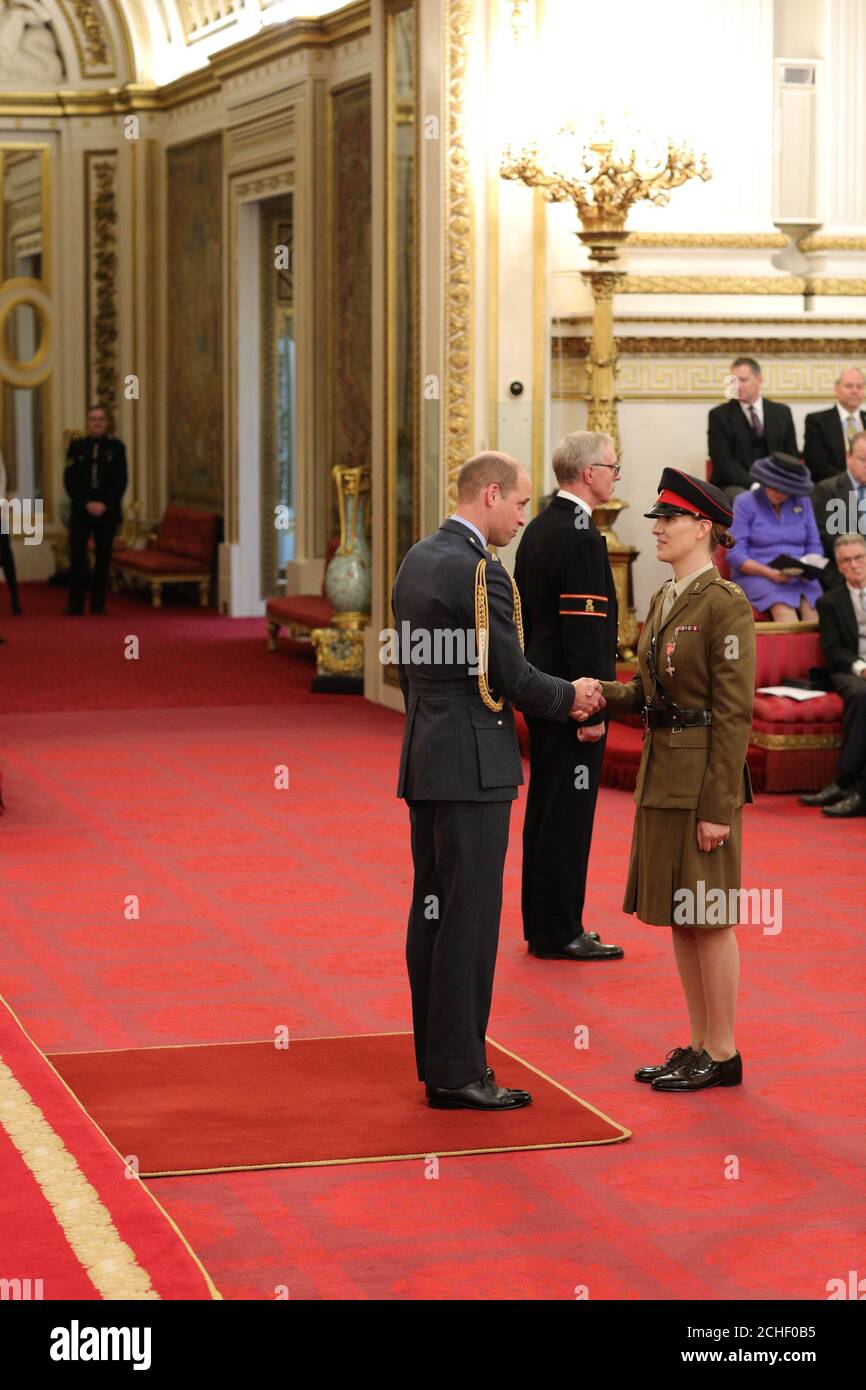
x=695, y=687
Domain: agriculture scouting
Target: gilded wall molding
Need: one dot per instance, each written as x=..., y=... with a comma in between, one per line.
x=744, y=240
x=101, y=169
x=457, y=394
x=89, y=35
x=835, y=284
x=740, y=320
x=699, y=379
x=723, y=347
x=715, y=284
x=832, y=243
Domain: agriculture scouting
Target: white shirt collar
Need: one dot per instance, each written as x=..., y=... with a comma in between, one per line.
x=844, y=414
x=572, y=497
x=472, y=527
x=757, y=406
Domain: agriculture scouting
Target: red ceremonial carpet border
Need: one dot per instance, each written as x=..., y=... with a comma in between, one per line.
x=75, y=1224
x=231, y=1107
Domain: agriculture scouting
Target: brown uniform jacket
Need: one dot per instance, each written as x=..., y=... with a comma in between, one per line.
x=712, y=632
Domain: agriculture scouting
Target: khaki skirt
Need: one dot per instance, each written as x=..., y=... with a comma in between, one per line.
x=673, y=883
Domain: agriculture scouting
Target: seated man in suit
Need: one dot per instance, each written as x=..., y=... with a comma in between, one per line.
x=842, y=625
x=845, y=796
x=746, y=428
x=830, y=433
x=839, y=504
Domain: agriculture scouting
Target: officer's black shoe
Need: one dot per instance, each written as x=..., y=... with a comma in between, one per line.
x=825, y=797
x=677, y=1057
x=701, y=1073
x=584, y=947
x=477, y=1095
x=853, y=805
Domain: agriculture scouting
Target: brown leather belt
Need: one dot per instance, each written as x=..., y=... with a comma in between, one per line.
x=675, y=718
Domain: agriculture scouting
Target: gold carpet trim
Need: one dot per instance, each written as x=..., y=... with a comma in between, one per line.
x=211, y=1286
x=107, y=1260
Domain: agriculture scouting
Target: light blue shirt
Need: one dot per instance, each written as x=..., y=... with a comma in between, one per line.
x=472, y=527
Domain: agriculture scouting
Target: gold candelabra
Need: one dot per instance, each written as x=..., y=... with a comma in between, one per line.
x=604, y=184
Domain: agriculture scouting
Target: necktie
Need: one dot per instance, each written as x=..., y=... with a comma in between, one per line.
x=852, y=427
x=756, y=421
x=667, y=604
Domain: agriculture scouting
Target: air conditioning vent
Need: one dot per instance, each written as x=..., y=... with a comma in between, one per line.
x=803, y=75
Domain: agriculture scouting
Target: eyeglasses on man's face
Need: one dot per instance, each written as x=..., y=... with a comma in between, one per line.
x=615, y=466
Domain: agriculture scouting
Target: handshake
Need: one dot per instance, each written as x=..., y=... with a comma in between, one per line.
x=588, y=700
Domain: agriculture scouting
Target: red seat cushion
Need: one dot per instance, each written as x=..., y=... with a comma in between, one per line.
x=189, y=532
x=309, y=610
x=775, y=713
x=157, y=561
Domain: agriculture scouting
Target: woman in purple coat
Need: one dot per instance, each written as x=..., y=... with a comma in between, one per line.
x=772, y=520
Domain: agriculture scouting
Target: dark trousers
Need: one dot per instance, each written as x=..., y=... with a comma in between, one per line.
x=853, y=691
x=852, y=763
x=458, y=849
x=81, y=527
x=557, y=831
x=7, y=563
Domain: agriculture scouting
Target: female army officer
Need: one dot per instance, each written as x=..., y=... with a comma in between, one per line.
x=695, y=686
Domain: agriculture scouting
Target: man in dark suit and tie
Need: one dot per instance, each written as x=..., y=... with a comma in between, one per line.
x=746, y=428
x=829, y=433
x=570, y=622
x=95, y=479
x=460, y=769
x=842, y=625
x=839, y=504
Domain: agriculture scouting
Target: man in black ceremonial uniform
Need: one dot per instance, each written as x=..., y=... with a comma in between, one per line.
x=460, y=769
x=566, y=587
x=95, y=479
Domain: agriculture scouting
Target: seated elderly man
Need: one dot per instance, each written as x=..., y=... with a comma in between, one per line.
x=846, y=794
x=746, y=428
x=774, y=520
x=839, y=504
x=842, y=625
x=830, y=433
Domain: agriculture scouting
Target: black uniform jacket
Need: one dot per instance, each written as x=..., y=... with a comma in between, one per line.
x=569, y=598
x=454, y=747
x=111, y=473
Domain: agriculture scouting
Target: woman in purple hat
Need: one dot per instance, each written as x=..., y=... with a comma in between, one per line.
x=776, y=519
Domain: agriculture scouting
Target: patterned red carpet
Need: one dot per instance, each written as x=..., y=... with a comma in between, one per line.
x=260, y=908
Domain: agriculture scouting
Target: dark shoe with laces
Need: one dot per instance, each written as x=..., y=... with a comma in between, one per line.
x=702, y=1073
x=584, y=947
x=852, y=804
x=477, y=1095
x=677, y=1057
x=827, y=796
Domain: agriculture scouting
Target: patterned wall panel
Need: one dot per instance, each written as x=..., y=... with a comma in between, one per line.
x=194, y=384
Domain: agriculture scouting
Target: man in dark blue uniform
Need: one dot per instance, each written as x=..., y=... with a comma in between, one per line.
x=570, y=620
x=95, y=479
x=460, y=769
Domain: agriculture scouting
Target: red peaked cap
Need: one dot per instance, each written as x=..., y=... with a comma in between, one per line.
x=680, y=493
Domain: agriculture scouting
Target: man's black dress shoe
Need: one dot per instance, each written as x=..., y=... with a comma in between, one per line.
x=677, y=1057
x=853, y=804
x=825, y=797
x=584, y=947
x=701, y=1073
x=477, y=1095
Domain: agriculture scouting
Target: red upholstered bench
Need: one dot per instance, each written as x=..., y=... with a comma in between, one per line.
x=300, y=613
x=180, y=551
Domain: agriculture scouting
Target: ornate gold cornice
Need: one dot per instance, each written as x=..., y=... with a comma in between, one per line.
x=714, y=284
x=832, y=243
x=278, y=40
x=458, y=251
x=672, y=320
x=836, y=284
x=578, y=347
x=744, y=240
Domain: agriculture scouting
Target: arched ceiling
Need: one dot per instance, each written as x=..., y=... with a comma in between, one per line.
x=85, y=44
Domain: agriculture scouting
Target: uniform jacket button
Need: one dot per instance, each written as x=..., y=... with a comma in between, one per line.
x=499, y=722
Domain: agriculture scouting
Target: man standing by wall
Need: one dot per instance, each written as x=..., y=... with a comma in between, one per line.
x=570, y=622
x=95, y=480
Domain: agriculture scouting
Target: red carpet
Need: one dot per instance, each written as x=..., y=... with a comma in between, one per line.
x=316, y=1101
x=260, y=908
x=74, y=1225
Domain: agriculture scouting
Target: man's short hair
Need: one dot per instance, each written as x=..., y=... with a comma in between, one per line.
x=578, y=451
x=856, y=439
x=846, y=370
x=749, y=362
x=97, y=405
x=850, y=538
x=483, y=469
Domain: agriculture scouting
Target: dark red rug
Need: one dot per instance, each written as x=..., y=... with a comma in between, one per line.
x=216, y=1108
